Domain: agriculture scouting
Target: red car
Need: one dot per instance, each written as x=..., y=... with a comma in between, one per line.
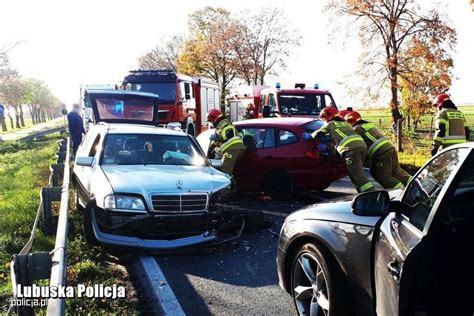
x=278, y=161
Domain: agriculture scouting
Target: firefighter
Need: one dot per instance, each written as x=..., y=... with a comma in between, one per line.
x=226, y=140
x=349, y=145
x=384, y=168
x=450, y=124
x=249, y=111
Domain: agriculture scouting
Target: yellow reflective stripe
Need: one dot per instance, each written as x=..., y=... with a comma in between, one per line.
x=225, y=129
x=398, y=186
x=442, y=121
x=366, y=187
x=232, y=141
x=349, y=140
x=369, y=136
x=375, y=146
x=367, y=126
x=454, y=141
x=455, y=115
x=340, y=133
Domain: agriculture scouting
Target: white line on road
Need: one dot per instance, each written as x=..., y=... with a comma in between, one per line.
x=160, y=290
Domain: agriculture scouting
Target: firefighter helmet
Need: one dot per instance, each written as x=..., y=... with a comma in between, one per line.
x=343, y=113
x=439, y=100
x=353, y=117
x=213, y=115
x=328, y=113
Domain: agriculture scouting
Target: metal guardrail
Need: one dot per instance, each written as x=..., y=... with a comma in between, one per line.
x=28, y=267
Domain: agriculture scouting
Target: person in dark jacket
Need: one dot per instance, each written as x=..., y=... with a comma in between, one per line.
x=76, y=126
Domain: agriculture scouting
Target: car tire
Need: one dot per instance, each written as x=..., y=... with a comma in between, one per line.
x=331, y=289
x=89, y=235
x=279, y=186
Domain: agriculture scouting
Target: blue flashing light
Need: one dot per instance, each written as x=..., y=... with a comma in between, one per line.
x=316, y=85
x=278, y=85
x=119, y=106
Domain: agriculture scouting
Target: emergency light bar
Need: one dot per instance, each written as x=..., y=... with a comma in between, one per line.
x=278, y=85
x=316, y=85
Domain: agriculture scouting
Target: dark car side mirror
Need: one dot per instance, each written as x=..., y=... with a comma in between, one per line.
x=84, y=161
x=266, y=111
x=374, y=203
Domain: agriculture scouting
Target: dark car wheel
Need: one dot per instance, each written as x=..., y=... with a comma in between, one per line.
x=89, y=235
x=317, y=285
x=279, y=186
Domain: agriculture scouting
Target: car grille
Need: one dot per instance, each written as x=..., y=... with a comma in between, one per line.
x=181, y=203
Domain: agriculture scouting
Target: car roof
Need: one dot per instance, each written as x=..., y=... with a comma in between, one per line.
x=278, y=121
x=305, y=90
x=126, y=128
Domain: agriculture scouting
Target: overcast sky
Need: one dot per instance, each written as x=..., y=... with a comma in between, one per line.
x=68, y=43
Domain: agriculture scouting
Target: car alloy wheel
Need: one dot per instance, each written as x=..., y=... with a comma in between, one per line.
x=309, y=284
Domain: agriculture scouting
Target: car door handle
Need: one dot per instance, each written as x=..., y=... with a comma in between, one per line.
x=268, y=157
x=394, y=269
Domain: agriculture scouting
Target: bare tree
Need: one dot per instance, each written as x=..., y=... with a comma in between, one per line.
x=163, y=55
x=385, y=29
x=264, y=44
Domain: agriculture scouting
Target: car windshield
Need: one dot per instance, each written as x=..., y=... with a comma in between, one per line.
x=165, y=90
x=138, y=149
x=301, y=104
x=110, y=108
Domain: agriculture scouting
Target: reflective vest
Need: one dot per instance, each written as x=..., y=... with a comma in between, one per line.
x=375, y=141
x=342, y=134
x=228, y=136
x=450, y=127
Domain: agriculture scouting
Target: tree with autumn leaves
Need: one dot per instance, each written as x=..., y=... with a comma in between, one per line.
x=406, y=48
x=226, y=46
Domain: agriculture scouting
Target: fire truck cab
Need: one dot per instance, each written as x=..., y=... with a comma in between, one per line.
x=299, y=101
x=183, y=99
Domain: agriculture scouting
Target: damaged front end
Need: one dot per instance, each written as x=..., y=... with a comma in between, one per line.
x=167, y=228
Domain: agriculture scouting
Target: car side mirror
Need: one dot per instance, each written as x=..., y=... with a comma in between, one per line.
x=266, y=111
x=84, y=161
x=373, y=203
x=216, y=163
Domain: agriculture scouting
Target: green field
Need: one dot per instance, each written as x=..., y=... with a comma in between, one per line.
x=24, y=168
x=383, y=117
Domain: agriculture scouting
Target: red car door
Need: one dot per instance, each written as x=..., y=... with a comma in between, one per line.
x=258, y=158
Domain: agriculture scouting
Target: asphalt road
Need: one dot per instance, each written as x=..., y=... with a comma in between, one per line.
x=240, y=278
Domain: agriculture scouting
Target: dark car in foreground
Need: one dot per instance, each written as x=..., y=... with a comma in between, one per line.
x=399, y=253
x=278, y=161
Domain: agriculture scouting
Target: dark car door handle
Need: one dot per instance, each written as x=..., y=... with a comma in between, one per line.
x=394, y=269
x=268, y=157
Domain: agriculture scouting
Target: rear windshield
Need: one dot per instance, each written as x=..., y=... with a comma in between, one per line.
x=131, y=109
x=138, y=149
x=313, y=126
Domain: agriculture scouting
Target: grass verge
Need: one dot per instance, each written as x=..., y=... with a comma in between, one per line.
x=24, y=168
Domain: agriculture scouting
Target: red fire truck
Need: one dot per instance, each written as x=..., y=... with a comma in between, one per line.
x=297, y=101
x=184, y=100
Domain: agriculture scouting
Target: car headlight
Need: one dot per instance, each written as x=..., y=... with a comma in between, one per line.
x=217, y=200
x=124, y=202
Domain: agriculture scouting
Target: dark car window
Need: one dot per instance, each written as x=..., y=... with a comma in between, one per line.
x=135, y=149
x=313, y=126
x=94, y=147
x=423, y=190
x=301, y=104
x=286, y=137
x=165, y=90
x=262, y=137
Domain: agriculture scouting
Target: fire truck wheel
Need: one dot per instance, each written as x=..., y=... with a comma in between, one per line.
x=279, y=186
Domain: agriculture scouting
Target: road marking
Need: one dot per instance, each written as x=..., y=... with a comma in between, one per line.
x=162, y=296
